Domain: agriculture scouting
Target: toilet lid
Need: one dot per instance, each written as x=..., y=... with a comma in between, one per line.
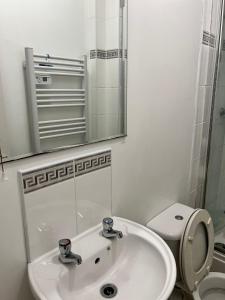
x=196, y=249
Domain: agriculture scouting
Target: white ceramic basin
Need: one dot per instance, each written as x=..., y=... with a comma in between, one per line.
x=140, y=265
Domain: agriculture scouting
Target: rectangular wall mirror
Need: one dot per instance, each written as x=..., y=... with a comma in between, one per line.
x=62, y=74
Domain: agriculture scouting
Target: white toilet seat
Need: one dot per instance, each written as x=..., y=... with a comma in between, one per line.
x=196, y=249
x=212, y=287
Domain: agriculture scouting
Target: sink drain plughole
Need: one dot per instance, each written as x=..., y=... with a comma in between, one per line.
x=108, y=290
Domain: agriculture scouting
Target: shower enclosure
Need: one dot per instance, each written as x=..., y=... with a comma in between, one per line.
x=215, y=180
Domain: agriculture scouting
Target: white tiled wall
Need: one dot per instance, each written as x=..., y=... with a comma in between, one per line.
x=93, y=198
x=105, y=104
x=50, y=216
x=211, y=25
x=62, y=199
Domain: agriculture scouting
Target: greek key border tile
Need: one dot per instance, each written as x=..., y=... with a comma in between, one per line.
x=209, y=39
x=93, y=54
x=38, y=179
x=92, y=163
x=223, y=45
x=125, y=53
x=107, y=54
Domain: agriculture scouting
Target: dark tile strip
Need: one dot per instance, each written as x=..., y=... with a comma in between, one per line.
x=92, y=163
x=223, y=45
x=209, y=39
x=107, y=54
x=40, y=178
x=93, y=54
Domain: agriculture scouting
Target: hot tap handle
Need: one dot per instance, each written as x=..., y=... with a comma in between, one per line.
x=65, y=246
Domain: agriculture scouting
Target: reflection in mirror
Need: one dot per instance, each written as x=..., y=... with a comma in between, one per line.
x=62, y=75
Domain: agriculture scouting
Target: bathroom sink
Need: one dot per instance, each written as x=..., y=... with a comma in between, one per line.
x=138, y=266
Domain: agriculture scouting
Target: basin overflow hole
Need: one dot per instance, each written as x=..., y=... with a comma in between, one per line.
x=97, y=260
x=179, y=218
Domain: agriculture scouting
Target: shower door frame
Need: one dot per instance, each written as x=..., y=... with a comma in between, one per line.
x=216, y=75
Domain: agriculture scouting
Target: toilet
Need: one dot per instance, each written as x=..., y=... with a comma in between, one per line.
x=190, y=235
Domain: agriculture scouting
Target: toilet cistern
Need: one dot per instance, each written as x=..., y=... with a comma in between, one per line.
x=108, y=231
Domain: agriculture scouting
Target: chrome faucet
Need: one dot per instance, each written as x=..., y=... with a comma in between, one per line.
x=66, y=256
x=108, y=231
